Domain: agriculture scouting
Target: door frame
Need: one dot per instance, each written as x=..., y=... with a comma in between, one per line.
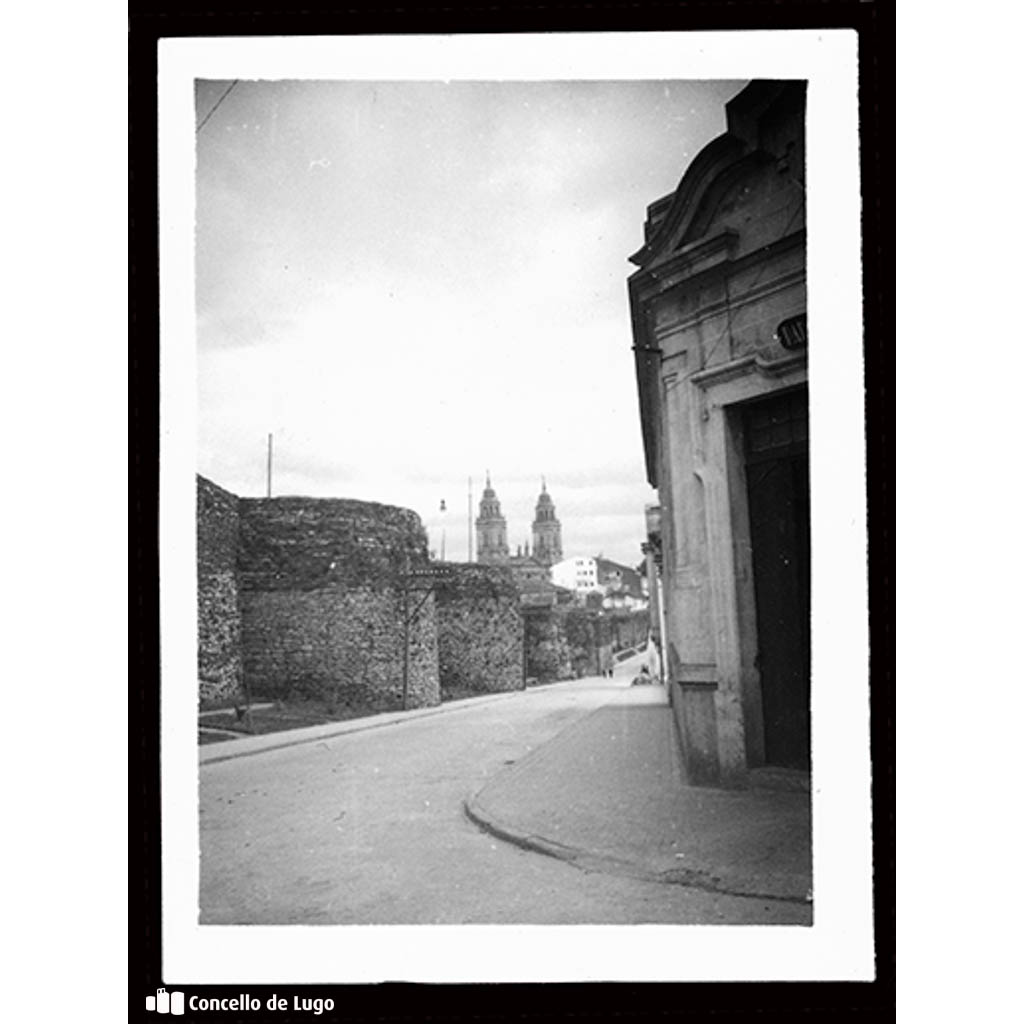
x=777, y=460
x=719, y=394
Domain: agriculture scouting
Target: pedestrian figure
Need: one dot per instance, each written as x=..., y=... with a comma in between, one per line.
x=643, y=678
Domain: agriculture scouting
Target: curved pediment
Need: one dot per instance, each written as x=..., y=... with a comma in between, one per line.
x=749, y=143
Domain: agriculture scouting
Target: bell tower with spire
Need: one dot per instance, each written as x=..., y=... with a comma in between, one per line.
x=547, y=530
x=491, y=529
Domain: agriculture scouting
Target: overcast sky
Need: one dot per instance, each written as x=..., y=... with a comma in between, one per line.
x=409, y=284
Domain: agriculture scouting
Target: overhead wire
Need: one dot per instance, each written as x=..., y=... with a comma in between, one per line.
x=210, y=113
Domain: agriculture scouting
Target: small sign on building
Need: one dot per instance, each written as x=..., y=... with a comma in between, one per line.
x=792, y=333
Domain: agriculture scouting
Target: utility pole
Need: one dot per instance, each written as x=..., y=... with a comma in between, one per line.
x=406, y=623
x=423, y=581
x=469, y=522
x=270, y=460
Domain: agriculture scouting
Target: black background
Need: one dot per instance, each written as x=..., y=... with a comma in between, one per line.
x=394, y=1002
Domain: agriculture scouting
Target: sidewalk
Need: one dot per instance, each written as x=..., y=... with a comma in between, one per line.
x=244, y=745
x=607, y=794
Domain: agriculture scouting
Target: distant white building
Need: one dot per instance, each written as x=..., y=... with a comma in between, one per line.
x=576, y=574
x=619, y=585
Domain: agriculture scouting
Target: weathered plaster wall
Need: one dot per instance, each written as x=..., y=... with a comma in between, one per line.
x=321, y=598
x=479, y=630
x=220, y=661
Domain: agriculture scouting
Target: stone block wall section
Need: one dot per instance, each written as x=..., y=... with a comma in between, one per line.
x=479, y=630
x=321, y=593
x=569, y=643
x=547, y=651
x=627, y=628
x=342, y=647
x=306, y=598
x=220, y=660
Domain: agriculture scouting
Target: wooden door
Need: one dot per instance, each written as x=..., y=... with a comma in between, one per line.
x=775, y=433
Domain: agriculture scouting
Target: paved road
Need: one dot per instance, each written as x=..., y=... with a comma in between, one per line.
x=369, y=828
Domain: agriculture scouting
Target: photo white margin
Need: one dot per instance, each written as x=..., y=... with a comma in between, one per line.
x=839, y=946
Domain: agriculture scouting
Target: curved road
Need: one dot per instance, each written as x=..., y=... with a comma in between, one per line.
x=368, y=827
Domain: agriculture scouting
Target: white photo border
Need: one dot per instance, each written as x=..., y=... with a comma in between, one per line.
x=839, y=945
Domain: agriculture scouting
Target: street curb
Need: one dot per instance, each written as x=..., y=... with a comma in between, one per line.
x=289, y=738
x=588, y=860
x=705, y=880
x=230, y=750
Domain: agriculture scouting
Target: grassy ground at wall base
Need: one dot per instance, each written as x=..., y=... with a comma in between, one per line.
x=464, y=694
x=284, y=715
x=227, y=723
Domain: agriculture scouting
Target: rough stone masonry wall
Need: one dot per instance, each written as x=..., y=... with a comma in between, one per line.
x=321, y=596
x=220, y=659
x=588, y=637
x=571, y=642
x=628, y=628
x=548, y=655
x=479, y=630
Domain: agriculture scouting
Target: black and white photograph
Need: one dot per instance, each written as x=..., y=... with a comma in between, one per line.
x=513, y=523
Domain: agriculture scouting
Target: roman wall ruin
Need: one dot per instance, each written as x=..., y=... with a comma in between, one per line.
x=479, y=630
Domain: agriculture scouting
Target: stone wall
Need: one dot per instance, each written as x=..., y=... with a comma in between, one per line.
x=572, y=642
x=479, y=630
x=565, y=643
x=548, y=657
x=305, y=598
x=589, y=641
x=220, y=660
x=321, y=592
x=627, y=628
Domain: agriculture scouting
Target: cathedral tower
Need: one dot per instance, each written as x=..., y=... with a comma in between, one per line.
x=547, y=530
x=491, y=530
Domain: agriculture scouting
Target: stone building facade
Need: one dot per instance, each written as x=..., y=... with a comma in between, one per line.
x=652, y=567
x=720, y=338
